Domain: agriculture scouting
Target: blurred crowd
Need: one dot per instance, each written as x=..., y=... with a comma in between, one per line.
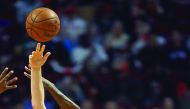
x=113, y=54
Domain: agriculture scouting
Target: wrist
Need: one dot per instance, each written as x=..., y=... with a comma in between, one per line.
x=35, y=68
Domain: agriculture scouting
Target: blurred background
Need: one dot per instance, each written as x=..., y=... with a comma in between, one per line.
x=109, y=54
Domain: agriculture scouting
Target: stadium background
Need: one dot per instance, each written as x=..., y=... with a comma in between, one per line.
x=112, y=54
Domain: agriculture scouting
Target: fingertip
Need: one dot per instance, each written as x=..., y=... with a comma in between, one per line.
x=28, y=66
x=15, y=86
x=6, y=68
x=49, y=53
x=16, y=78
x=26, y=74
x=11, y=71
x=25, y=67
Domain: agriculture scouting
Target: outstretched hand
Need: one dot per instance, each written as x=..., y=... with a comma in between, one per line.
x=6, y=82
x=36, y=59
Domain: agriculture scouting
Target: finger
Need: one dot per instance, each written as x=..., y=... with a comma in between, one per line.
x=29, y=66
x=12, y=80
x=38, y=47
x=4, y=73
x=27, y=69
x=27, y=75
x=33, y=52
x=46, y=56
x=30, y=56
x=11, y=87
x=43, y=48
x=7, y=76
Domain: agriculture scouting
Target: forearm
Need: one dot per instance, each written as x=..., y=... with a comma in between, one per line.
x=37, y=89
x=63, y=101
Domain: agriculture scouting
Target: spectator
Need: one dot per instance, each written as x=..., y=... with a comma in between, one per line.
x=142, y=58
x=87, y=104
x=72, y=24
x=168, y=104
x=117, y=38
x=111, y=105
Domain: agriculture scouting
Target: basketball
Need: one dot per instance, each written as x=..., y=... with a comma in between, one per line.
x=42, y=24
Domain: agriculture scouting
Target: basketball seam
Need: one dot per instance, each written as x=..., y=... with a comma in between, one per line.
x=31, y=17
x=37, y=15
x=41, y=28
x=34, y=20
x=38, y=35
x=45, y=20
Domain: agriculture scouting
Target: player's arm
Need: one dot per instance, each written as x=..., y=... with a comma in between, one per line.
x=36, y=61
x=6, y=82
x=63, y=101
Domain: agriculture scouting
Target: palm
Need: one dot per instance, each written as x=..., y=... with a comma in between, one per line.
x=37, y=60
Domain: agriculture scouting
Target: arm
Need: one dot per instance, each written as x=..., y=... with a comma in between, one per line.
x=36, y=61
x=5, y=81
x=63, y=101
x=37, y=89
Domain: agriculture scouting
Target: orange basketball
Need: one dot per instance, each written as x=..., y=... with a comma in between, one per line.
x=42, y=24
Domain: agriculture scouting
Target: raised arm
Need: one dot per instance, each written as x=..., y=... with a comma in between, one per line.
x=36, y=61
x=63, y=101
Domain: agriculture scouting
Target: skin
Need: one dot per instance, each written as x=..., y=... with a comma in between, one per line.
x=6, y=82
x=63, y=101
x=36, y=61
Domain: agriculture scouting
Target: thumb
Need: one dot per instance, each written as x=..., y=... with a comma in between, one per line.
x=46, y=56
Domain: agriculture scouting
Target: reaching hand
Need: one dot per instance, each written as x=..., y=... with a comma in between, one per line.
x=47, y=84
x=37, y=60
x=5, y=82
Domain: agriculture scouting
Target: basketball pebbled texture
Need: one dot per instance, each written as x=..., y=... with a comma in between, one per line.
x=42, y=24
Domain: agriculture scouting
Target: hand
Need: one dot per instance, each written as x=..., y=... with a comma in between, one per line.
x=37, y=60
x=5, y=82
x=47, y=84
